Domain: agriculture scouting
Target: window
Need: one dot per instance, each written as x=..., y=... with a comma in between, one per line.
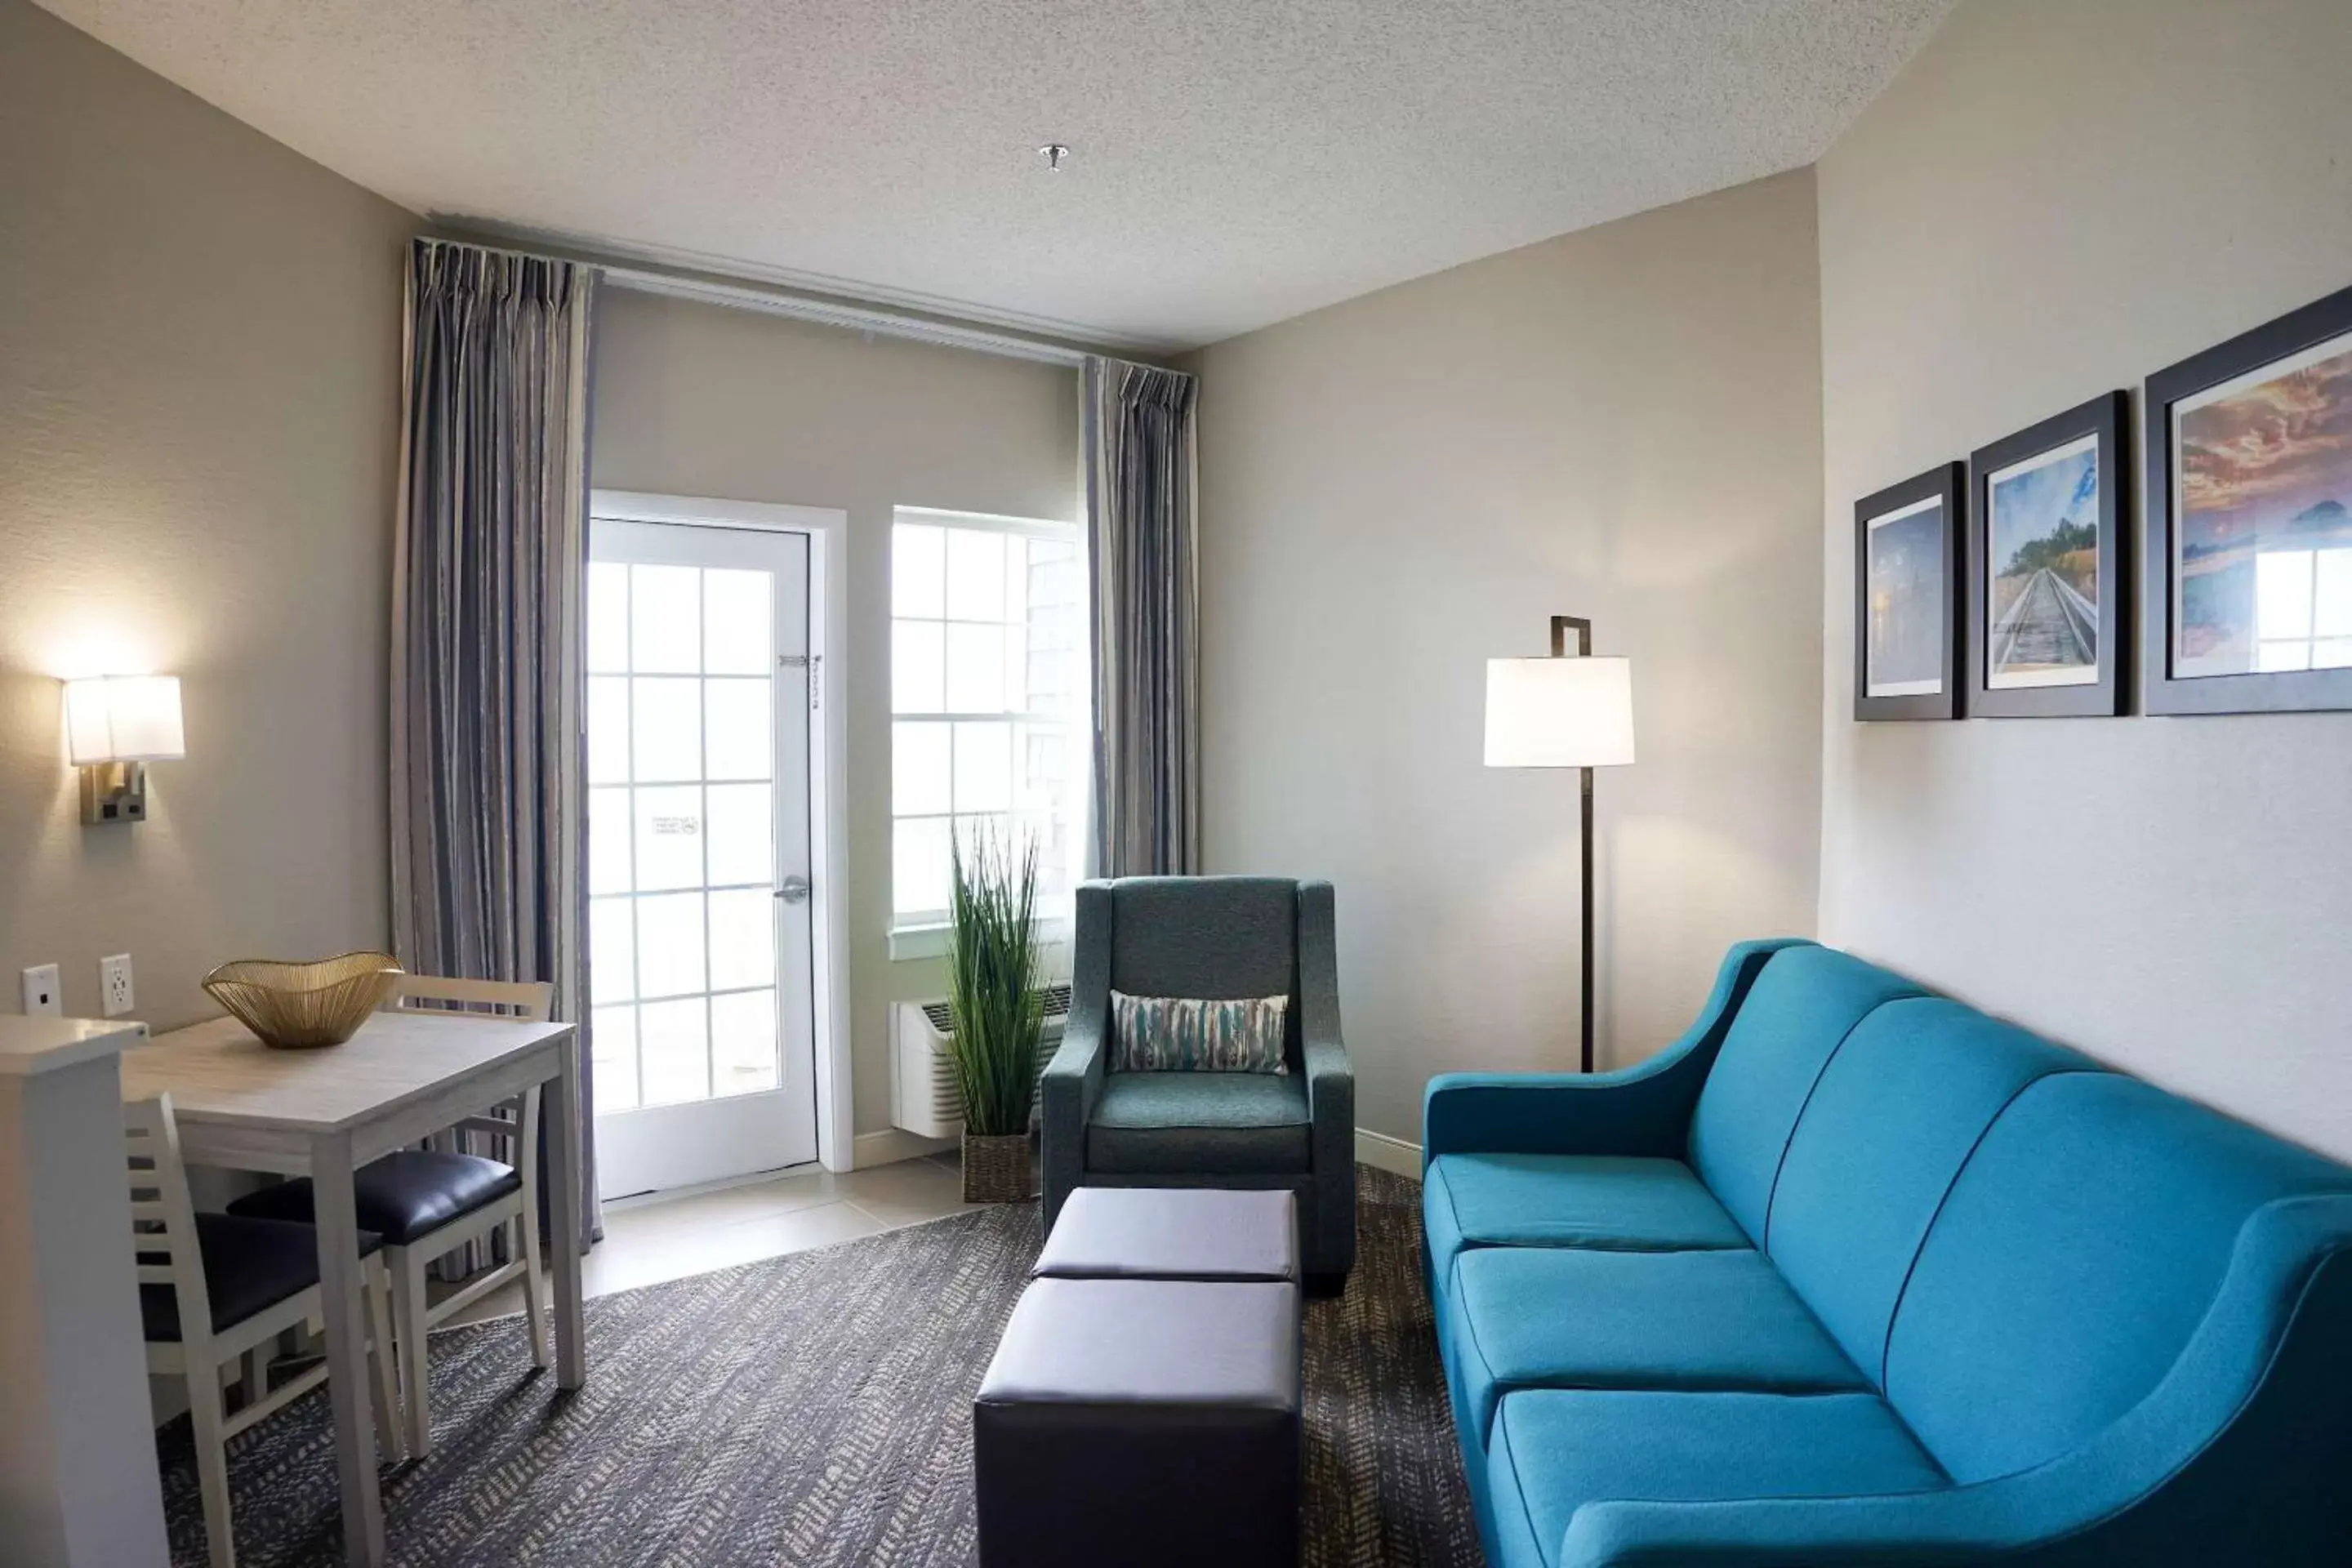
x=2303, y=609
x=988, y=701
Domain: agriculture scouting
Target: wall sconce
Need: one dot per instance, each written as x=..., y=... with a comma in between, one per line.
x=116, y=725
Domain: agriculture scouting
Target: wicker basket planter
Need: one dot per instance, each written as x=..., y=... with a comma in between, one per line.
x=998, y=1170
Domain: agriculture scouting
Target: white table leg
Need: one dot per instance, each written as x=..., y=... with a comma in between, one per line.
x=340, y=1281
x=563, y=1216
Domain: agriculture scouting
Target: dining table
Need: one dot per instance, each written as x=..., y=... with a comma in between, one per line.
x=325, y=1111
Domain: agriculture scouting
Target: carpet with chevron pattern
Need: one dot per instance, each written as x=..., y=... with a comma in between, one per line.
x=814, y=1411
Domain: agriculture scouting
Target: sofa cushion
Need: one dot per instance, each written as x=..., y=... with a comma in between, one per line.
x=1894, y=1116
x=2073, y=1259
x=1801, y=1009
x=1568, y=1200
x=1186, y=1123
x=1570, y=1317
x=1555, y=1450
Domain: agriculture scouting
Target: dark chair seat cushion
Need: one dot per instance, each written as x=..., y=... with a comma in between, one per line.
x=407, y=1195
x=1198, y=1123
x=251, y=1266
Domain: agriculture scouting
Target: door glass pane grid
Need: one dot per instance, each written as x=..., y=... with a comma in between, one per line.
x=694, y=755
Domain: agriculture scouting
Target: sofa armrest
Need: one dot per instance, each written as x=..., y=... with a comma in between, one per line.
x=2241, y=1454
x=1637, y=1110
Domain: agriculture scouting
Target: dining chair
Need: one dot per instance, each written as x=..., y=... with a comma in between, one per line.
x=214, y=1289
x=425, y=1203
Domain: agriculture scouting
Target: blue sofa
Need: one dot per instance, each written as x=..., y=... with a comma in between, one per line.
x=1853, y=1273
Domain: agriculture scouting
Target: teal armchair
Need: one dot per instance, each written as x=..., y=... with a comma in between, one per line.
x=1208, y=937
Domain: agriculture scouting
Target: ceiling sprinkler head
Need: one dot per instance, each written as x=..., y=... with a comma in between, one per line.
x=1053, y=153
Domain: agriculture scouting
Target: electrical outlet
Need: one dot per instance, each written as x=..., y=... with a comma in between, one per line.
x=44, y=996
x=115, y=985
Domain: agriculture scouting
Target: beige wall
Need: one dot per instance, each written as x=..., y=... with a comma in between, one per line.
x=2056, y=198
x=700, y=400
x=1622, y=423
x=199, y=406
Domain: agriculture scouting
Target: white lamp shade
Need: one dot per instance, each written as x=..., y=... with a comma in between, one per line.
x=124, y=718
x=1559, y=712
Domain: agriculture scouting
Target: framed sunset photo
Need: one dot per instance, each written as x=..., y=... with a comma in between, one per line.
x=1907, y=569
x=2045, y=568
x=2248, y=584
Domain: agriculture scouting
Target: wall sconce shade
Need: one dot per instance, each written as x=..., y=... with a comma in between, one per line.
x=1559, y=712
x=124, y=718
x=116, y=725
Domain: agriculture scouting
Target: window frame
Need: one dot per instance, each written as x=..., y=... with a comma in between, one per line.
x=923, y=933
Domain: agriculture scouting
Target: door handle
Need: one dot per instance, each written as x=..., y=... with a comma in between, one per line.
x=794, y=889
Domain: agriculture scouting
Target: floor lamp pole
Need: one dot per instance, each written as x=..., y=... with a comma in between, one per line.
x=1560, y=626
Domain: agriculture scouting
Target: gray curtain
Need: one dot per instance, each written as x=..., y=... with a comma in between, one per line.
x=1141, y=479
x=488, y=826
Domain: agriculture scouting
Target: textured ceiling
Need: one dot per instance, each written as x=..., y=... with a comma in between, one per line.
x=1236, y=160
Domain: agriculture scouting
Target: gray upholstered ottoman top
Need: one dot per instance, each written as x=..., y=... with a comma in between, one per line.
x=1150, y=1342
x=1172, y=1233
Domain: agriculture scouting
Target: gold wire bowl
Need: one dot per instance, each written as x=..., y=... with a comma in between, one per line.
x=294, y=1007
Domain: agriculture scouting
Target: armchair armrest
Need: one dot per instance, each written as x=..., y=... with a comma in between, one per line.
x=1637, y=1110
x=1323, y=1058
x=2240, y=1453
x=1330, y=1082
x=1073, y=1080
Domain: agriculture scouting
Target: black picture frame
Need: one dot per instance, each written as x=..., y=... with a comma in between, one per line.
x=1945, y=484
x=2102, y=422
x=2163, y=691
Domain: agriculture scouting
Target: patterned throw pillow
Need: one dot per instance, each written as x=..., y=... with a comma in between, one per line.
x=1177, y=1033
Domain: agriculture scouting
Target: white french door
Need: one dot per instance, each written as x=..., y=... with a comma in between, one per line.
x=699, y=941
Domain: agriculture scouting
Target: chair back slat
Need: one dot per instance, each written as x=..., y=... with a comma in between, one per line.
x=524, y=1002
x=162, y=1217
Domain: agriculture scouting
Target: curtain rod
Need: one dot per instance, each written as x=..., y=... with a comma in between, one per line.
x=777, y=300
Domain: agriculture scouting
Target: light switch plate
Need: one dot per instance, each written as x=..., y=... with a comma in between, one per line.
x=44, y=994
x=114, y=984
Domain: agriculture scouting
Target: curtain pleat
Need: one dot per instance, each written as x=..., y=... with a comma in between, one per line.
x=489, y=835
x=1141, y=480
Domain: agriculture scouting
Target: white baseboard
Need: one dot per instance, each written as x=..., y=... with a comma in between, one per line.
x=1383, y=1153
x=891, y=1145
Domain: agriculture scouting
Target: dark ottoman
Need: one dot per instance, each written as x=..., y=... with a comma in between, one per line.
x=1173, y=1232
x=1142, y=1423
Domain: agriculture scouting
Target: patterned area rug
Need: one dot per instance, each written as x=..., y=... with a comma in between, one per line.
x=814, y=1411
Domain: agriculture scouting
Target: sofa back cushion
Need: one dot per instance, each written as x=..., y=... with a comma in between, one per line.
x=1794, y=1017
x=1891, y=1123
x=2074, y=1257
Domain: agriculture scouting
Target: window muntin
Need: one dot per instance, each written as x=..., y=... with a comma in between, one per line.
x=987, y=673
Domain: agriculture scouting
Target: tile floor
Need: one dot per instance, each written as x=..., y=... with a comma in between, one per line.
x=650, y=1239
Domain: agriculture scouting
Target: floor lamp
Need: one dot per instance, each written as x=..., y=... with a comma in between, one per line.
x=1564, y=712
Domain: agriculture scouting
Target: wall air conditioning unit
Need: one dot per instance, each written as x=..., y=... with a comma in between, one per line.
x=922, y=1084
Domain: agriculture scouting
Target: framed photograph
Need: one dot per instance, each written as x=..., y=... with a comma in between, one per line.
x=2045, y=568
x=2246, y=595
x=1906, y=558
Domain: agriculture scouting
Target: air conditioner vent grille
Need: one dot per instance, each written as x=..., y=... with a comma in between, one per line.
x=922, y=1083
x=1057, y=1003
